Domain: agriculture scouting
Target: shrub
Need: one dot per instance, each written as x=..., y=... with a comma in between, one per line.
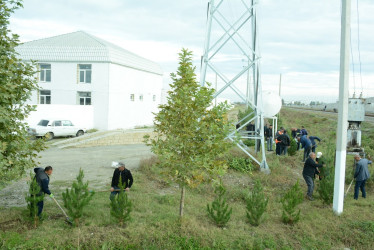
x=292, y=149
x=32, y=199
x=219, y=211
x=256, y=204
x=249, y=143
x=120, y=205
x=77, y=198
x=327, y=172
x=290, y=201
x=241, y=164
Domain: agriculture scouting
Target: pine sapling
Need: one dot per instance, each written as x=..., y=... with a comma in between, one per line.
x=120, y=205
x=77, y=198
x=256, y=204
x=290, y=201
x=219, y=210
x=32, y=199
x=292, y=149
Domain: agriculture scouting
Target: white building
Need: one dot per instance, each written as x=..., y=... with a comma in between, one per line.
x=92, y=82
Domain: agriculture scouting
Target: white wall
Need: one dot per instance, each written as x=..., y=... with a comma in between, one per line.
x=124, y=113
x=65, y=86
x=110, y=87
x=80, y=115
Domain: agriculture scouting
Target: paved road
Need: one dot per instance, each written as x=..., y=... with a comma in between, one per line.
x=95, y=161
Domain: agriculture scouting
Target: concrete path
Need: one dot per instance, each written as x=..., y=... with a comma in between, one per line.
x=95, y=161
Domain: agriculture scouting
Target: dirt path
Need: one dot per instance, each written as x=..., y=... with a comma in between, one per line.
x=95, y=161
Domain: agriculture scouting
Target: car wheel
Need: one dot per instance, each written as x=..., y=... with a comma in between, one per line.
x=49, y=136
x=80, y=133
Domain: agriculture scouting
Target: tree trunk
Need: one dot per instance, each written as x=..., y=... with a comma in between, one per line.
x=181, y=205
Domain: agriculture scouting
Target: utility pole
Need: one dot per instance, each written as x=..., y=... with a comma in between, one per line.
x=341, y=143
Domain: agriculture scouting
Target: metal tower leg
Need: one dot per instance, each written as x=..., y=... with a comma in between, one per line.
x=226, y=32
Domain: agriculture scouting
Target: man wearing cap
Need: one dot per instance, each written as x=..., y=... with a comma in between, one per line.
x=361, y=175
x=126, y=178
x=42, y=178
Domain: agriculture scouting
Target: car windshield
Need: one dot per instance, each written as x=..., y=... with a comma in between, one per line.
x=43, y=123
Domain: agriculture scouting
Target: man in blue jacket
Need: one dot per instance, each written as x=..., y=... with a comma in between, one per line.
x=361, y=175
x=42, y=178
x=306, y=144
x=313, y=141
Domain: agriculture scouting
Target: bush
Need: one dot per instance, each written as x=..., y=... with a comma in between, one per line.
x=219, y=211
x=249, y=143
x=32, y=199
x=256, y=204
x=77, y=198
x=241, y=164
x=120, y=205
x=289, y=203
x=327, y=172
x=292, y=149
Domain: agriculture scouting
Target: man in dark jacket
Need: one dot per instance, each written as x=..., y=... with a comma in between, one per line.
x=285, y=142
x=306, y=144
x=126, y=178
x=303, y=131
x=269, y=137
x=310, y=168
x=42, y=178
x=277, y=141
x=361, y=175
x=295, y=133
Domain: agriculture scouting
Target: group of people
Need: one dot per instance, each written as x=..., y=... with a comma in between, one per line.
x=314, y=164
x=120, y=173
x=283, y=140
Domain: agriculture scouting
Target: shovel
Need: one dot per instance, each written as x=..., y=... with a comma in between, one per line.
x=67, y=219
x=348, y=188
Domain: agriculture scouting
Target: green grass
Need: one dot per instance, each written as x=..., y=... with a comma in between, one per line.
x=155, y=223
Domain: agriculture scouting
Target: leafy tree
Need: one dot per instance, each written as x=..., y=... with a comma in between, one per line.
x=190, y=133
x=256, y=204
x=17, y=81
x=120, y=205
x=32, y=199
x=290, y=201
x=219, y=210
x=77, y=198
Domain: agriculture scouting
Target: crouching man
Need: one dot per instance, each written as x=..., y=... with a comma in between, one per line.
x=126, y=178
x=42, y=178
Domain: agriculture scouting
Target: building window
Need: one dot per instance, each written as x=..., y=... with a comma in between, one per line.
x=141, y=98
x=154, y=98
x=44, y=96
x=132, y=97
x=45, y=73
x=84, y=98
x=85, y=73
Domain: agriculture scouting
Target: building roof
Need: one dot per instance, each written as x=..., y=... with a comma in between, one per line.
x=82, y=47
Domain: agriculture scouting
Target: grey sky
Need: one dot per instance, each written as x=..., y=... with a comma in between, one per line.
x=299, y=39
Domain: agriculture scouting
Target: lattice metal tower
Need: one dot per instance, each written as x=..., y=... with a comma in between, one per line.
x=231, y=60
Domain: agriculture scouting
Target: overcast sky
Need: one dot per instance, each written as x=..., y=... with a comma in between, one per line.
x=299, y=39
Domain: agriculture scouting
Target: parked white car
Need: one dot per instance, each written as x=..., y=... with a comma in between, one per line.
x=52, y=128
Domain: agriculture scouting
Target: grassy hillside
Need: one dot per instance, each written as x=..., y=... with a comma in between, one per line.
x=155, y=223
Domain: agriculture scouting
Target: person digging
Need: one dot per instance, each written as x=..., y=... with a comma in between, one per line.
x=126, y=178
x=42, y=178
